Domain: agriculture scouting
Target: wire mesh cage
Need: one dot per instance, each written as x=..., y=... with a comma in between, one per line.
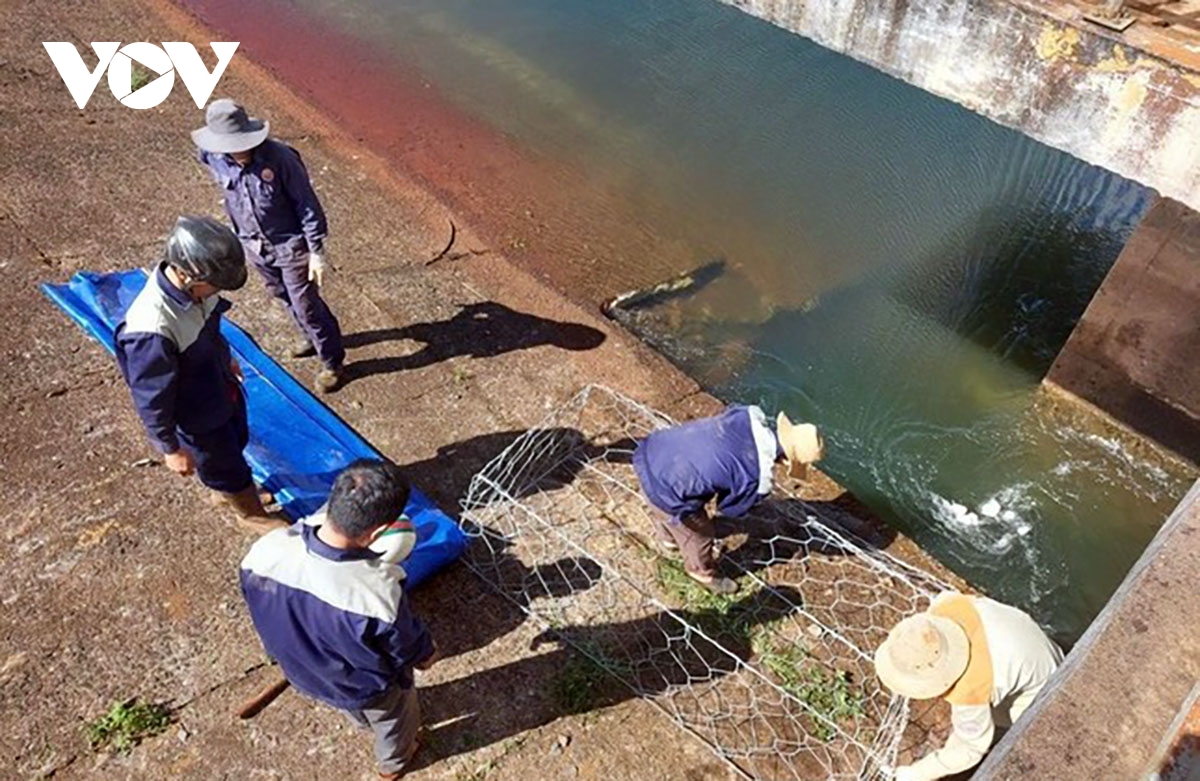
x=776, y=679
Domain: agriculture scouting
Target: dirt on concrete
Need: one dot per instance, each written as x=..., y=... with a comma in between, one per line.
x=120, y=579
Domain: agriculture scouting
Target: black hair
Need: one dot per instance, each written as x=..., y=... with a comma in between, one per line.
x=366, y=495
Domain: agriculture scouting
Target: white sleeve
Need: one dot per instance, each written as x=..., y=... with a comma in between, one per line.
x=970, y=738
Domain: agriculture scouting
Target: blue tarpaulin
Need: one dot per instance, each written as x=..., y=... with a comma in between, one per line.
x=297, y=444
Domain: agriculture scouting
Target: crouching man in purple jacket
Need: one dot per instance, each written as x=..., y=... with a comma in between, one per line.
x=728, y=458
x=336, y=618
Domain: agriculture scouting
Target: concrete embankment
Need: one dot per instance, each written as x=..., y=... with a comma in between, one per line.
x=120, y=578
x=1129, y=102
x=1135, y=354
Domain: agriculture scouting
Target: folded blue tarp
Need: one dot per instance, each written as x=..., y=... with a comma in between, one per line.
x=297, y=444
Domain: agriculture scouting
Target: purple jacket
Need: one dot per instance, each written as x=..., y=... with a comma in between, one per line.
x=271, y=200
x=726, y=457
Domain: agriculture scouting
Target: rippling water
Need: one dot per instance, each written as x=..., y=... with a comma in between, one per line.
x=897, y=268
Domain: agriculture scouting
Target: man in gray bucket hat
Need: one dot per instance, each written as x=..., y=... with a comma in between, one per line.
x=270, y=201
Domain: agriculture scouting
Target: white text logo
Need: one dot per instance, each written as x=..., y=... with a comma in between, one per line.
x=178, y=57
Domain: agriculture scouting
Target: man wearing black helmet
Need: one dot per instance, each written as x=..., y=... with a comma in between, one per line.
x=181, y=374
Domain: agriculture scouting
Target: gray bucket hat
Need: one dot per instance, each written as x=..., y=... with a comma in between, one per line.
x=228, y=129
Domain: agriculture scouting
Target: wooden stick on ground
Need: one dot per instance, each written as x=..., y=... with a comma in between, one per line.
x=253, y=706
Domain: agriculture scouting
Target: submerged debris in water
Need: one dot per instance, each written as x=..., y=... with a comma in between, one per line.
x=687, y=283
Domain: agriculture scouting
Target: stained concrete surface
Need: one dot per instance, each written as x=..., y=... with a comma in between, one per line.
x=120, y=579
x=1129, y=102
x=1136, y=351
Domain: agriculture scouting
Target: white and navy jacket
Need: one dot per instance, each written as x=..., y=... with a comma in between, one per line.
x=337, y=621
x=176, y=362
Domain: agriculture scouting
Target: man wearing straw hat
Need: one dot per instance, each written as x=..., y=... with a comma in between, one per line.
x=270, y=201
x=988, y=660
x=728, y=458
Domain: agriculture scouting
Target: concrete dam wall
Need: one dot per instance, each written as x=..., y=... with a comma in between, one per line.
x=1129, y=102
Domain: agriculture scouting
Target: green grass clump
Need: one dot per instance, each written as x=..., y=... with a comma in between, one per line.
x=687, y=593
x=829, y=693
x=139, y=77
x=126, y=724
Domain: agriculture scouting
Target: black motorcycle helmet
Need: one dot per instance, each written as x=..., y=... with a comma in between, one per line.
x=207, y=251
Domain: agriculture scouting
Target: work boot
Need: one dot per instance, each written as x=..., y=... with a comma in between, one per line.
x=265, y=498
x=398, y=774
x=717, y=584
x=252, y=517
x=302, y=348
x=329, y=380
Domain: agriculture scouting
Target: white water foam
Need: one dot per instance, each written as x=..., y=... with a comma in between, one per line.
x=1145, y=478
x=994, y=525
x=1000, y=527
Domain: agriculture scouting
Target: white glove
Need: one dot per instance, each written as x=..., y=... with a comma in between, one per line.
x=317, y=265
x=905, y=773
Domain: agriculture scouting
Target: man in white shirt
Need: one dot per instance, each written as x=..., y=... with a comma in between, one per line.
x=988, y=660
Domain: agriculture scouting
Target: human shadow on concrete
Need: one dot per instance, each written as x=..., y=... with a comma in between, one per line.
x=479, y=615
x=780, y=529
x=845, y=515
x=594, y=666
x=481, y=330
x=446, y=476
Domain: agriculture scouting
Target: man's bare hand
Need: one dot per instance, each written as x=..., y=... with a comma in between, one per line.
x=236, y=368
x=180, y=462
x=430, y=660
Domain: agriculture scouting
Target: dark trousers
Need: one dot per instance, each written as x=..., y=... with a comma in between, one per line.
x=220, y=464
x=286, y=276
x=694, y=535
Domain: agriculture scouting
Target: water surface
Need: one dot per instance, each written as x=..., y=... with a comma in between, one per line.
x=896, y=268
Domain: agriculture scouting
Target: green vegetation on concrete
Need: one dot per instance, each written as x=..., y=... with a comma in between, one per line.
x=829, y=693
x=580, y=684
x=126, y=724
x=690, y=595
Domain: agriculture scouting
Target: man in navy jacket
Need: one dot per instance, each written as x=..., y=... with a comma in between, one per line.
x=729, y=458
x=270, y=201
x=183, y=379
x=335, y=616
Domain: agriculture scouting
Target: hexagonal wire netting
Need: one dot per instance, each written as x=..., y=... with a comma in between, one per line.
x=777, y=680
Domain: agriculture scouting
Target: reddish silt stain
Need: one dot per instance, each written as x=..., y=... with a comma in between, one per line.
x=536, y=210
